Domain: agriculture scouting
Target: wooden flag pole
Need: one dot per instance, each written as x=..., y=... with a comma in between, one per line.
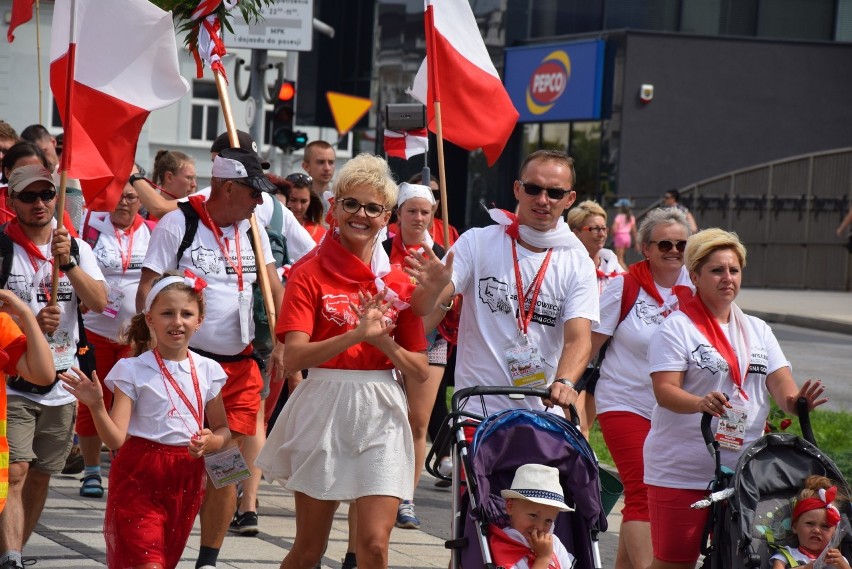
x=442, y=175
x=260, y=260
x=38, y=63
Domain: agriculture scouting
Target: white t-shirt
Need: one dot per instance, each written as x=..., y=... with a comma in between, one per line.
x=299, y=241
x=33, y=287
x=483, y=271
x=220, y=332
x=625, y=384
x=675, y=453
x=566, y=560
x=108, y=251
x=608, y=265
x=796, y=554
x=159, y=414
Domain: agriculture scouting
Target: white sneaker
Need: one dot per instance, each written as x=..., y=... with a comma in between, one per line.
x=445, y=467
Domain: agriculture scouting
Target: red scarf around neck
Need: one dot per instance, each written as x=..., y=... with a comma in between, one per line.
x=507, y=552
x=197, y=202
x=641, y=271
x=16, y=234
x=692, y=305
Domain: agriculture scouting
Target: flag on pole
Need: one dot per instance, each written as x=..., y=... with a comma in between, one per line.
x=117, y=64
x=22, y=12
x=406, y=143
x=475, y=107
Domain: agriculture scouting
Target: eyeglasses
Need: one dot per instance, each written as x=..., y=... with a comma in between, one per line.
x=31, y=197
x=299, y=178
x=129, y=198
x=666, y=246
x=353, y=206
x=254, y=193
x=594, y=229
x=535, y=190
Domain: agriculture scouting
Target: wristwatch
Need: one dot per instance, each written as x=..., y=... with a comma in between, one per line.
x=564, y=381
x=68, y=266
x=136, y=177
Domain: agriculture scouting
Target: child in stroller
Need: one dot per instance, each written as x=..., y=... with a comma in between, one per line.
x=814, y=522
x=532, y=504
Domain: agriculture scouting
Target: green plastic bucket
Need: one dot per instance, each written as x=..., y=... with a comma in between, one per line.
x=611, y=489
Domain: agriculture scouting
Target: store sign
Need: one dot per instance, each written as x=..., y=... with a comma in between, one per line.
x=559, y=82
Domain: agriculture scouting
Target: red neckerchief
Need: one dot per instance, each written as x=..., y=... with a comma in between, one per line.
x=340, y=262
x=641, y=271
x=197, y=413
x=524, y=319
x=16, y=234
x=807, y=553
x=399, y=250
x=603, y=275
x=692, y=305
x=198, y=203
x=125, y=260
x=507, y=552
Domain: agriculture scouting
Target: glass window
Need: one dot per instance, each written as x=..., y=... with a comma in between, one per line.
x=796, y=19
x=204, y=117
x=558, y=17
x=644, y=15
x=843, y=31
x=585, y=148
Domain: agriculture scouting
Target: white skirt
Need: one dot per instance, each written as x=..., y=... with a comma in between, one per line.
x=343, y=434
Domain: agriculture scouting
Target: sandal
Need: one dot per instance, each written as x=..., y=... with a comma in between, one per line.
x=92, y=487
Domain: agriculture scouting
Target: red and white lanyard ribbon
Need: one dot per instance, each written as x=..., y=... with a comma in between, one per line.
x=125, y=259
x=223, y=247
x=524, y=318
x=196, y=412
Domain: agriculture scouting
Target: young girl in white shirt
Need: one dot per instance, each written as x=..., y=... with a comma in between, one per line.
x=157, y=420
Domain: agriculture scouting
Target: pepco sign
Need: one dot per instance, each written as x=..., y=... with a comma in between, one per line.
x=556, y=82
x=548, y=82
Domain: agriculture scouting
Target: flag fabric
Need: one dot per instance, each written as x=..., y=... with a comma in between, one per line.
x=107, y=75
x=406, y=143
x=22, y=12
x=476, y=111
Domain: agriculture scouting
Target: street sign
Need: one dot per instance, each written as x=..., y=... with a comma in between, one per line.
x=347, y=110
x=287, y=25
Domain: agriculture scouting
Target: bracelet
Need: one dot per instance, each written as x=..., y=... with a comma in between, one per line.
x=447, y=307
x=564, y=381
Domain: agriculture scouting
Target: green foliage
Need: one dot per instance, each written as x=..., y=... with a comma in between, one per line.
x=182, y=12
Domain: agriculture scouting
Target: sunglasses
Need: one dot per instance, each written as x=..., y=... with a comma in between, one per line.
x=254, y=193
x=594, y=229
x=535, y=190
x=353, y=206
x=31, y=197
x=299, y=178
x=666, y=246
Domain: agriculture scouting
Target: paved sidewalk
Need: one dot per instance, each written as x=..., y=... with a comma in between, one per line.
x=830, y=311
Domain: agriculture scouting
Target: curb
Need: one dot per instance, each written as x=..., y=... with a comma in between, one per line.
x=822, y=324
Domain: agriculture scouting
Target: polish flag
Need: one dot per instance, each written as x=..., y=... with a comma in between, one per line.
x=406, y=143
x=22, y=12
x=476, y=111
x=107, y=74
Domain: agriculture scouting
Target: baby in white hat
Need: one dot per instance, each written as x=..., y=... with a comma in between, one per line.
x=532, y=503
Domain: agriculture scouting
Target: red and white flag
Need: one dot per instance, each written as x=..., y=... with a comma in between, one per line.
x=406, y=143
x=476, y=111
x=117, y=65
x=22, y=12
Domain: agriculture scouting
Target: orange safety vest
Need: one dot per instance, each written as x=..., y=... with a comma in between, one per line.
x=9, y=332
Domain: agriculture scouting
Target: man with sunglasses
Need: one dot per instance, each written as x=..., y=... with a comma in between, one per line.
x=221, y=253
x=41, y=419
x=543, y=340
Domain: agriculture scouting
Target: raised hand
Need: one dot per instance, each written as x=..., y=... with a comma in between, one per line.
x=88, y=391
x=428, y=269
x=811, y=390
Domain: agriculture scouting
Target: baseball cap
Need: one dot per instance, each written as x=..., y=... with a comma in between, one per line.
x=242, y=165
x=21, y=178
x=246, y=143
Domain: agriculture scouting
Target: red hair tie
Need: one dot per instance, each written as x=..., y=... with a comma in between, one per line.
x=823, y=500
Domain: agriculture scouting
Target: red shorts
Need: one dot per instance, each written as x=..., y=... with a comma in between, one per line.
x=107, y=353
x=624, y=434
x=155, y=492
x=676, y=528
x=241, y=395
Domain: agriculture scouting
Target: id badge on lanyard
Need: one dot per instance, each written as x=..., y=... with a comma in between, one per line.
x=63, y=348
x=114, y=300
x=226, y=467
x=730, y=433
x=245, y=304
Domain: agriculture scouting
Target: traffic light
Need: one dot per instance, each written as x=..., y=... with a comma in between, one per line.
x=283, y=135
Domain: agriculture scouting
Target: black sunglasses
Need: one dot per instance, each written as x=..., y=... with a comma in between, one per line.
x=666, y=246
x=535, y=190
x=31, y=197
x=299, y=178
x=254, y=193
x=351, y=205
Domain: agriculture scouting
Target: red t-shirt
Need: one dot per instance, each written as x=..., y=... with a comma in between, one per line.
x=316, y=302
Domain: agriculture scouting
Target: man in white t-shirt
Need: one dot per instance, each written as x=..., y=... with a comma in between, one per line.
x=41, y=419
x=221, y=253
x=500, y=344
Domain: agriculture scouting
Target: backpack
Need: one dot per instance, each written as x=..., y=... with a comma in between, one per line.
x=278, y=244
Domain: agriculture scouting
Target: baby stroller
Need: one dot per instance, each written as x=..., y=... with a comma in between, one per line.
x=501, y=443
x=751, y=508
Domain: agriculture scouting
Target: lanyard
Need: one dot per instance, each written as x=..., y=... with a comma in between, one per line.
x=37, y=269
x=196, y=414
x=226, y=255
x=125, y=259
x=524, y=318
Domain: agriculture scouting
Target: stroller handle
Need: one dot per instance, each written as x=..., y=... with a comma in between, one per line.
x=707, y=432
x=803, y=412
x=480, y=390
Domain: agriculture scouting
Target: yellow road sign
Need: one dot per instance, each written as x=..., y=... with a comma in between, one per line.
x=347, y=110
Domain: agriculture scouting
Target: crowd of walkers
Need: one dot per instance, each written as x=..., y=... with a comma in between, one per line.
x=153, y=341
